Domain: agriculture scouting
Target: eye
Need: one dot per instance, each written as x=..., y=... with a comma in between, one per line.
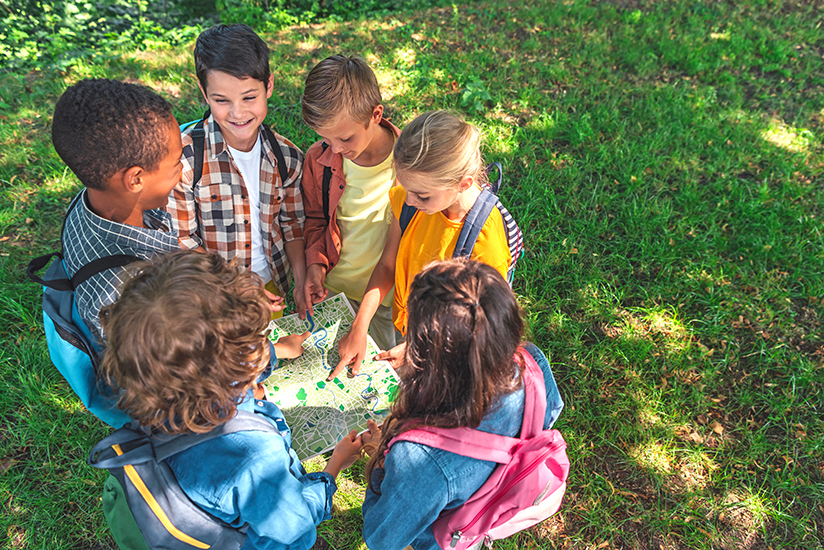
x=221, y=101
x=422, y=199
x=345, y=140
x=250, y=98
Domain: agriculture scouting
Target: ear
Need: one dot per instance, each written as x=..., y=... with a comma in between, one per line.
x=465, y=183
x=270, y=86
x=132, y=179
x=377, y=114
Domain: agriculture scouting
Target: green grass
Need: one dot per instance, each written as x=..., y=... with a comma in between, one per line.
x=665, y=162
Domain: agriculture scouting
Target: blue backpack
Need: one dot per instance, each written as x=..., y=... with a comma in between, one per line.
x=475, y=220
x=71, y=346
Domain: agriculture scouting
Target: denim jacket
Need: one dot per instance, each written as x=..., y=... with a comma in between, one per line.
x=418, y=482
x=256, y=477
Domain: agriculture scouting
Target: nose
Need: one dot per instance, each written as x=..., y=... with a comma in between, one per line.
x=337, y=148
x=410, y=200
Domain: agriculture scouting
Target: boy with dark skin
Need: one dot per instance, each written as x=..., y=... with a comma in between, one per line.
x=128, y=165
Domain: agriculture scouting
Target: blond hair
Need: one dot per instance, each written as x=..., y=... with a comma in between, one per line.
x=339, y=85
x=441, y=146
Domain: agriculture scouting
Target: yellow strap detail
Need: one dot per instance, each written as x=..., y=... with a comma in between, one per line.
x=150, y=500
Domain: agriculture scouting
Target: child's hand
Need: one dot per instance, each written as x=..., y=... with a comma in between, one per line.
x=352, y=348
x=276, y=303
x=313, y=286
x=291, y=346
x=394, y=356
x=346, y=452
x=300, y=301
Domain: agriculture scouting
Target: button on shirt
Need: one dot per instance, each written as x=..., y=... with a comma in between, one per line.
x=87, y=237
x=215, y=212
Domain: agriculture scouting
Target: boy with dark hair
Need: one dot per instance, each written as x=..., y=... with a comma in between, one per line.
x=187, y=342
x=346, y=182
x=242, y=206
x=123, y=143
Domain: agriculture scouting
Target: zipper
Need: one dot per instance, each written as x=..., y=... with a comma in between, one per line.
x=491, y=503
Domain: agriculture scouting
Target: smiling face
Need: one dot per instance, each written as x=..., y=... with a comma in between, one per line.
x=157, y=185
x=238, y=106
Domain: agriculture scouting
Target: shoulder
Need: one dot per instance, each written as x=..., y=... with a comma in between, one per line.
x=289, y=149
x=397, y=196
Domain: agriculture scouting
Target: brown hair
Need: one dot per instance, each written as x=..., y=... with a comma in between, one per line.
x=185, y=340
x=339, y=85
x=464, y=328
x=442, y=146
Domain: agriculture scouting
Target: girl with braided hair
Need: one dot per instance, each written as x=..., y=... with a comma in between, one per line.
x=441, y=172
x=462, y=366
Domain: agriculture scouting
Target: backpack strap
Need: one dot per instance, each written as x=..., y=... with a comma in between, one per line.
x=407, y=213
x=496, y=186
x=275, y=146
x=198, y=144
x=474, y=223
x=159, y=448
x=84, y=273
x=481, y=445
x=327, y=179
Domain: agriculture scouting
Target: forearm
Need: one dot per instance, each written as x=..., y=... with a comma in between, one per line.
x=380, y=283
x=295, y=254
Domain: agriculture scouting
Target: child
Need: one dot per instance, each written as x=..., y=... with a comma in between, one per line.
x=462, y=367
x=346, y=227
x=123, y=143
x=241, y=208
x=186, y=343
x=439, y=166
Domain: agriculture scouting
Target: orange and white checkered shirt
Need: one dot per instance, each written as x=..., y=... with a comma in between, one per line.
x=214, y=213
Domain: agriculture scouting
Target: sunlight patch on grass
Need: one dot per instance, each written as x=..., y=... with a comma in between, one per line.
x=694, y=471
x=720, y=35
x=647, y=415
x=654, y=456
x=790, y=138
x=542, y=123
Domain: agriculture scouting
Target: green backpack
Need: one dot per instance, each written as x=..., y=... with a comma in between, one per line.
x=145, y=507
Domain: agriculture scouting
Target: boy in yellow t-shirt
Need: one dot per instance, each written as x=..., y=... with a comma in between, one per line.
x=346, y=181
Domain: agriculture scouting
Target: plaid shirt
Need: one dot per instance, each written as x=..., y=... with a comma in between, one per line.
x=214, y=213
x=87, y=237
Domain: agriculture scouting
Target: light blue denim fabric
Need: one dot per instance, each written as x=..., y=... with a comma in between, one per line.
x=256, y=477
x=418, y=482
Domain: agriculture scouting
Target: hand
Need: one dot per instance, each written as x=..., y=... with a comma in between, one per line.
x=393, y=356
x=289, y=347
x=300, y=300
x=276, y=303
x=352, y=348
x=313, y=286
x=346, y=452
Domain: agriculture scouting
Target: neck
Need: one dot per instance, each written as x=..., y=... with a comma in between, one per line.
x=464, y=203
x=123, y=210
x=380, y=146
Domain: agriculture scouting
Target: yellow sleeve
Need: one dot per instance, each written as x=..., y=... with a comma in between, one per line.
x=397, y=196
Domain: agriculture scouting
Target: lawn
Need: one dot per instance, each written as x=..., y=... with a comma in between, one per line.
x=665, y=162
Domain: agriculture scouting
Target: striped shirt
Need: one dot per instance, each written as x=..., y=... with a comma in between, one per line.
x=214, y=212
x=87, y=237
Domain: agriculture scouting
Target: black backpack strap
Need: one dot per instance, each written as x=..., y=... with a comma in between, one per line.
x=473, y=223
x=101, y=264
x=495, y=187
x=84, y=273
x=275, y=145
x=199, y=144
x=158, y=448
x=327, y=179
x=407, y=213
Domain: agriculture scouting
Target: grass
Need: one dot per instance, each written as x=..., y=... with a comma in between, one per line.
x=665, y=162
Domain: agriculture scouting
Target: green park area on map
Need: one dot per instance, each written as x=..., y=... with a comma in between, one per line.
x=320, y=413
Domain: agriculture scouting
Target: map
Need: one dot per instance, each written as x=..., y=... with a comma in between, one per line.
x=321, y=413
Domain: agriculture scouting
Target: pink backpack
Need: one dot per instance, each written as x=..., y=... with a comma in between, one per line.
x=526, y=487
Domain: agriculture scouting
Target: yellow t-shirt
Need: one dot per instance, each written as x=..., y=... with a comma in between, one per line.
x=433, y=237
x=364, y=218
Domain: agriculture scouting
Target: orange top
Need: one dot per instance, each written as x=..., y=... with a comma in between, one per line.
x=433, y=237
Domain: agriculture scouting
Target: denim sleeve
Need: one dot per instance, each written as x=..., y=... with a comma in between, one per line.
x=554, y=403
x=282, y=509
x=413, y=491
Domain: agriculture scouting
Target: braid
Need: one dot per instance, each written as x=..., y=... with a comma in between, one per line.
x=463, y=329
